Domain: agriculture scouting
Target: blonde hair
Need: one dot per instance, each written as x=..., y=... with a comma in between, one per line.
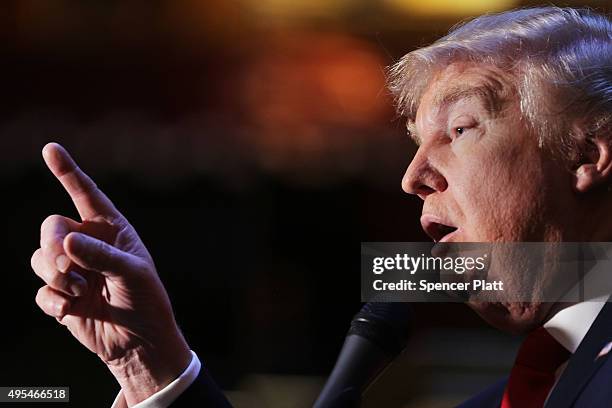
x=561, y=59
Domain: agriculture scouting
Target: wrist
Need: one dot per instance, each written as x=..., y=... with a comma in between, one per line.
x=146, y=370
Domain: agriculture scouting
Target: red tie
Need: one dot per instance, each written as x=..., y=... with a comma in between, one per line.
x=533, y=373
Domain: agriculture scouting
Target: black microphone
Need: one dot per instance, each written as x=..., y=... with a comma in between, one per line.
x=378, y=334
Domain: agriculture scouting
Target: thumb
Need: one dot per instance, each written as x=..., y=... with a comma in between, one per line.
x=96, y=255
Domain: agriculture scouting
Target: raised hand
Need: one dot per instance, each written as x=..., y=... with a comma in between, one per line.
x=101, y=284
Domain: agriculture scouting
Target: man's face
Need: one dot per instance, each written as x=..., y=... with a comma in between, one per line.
x=482, y=175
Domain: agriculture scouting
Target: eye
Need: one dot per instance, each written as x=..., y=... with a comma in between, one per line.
x=457, y=131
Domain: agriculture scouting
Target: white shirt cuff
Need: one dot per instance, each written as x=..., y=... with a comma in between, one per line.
x=164, y=397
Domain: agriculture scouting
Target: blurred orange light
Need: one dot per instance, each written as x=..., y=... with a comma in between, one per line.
x=450, y=7
x=299, y=8
x=310, y=97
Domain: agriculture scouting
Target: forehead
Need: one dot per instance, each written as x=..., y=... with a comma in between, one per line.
x=463, y=76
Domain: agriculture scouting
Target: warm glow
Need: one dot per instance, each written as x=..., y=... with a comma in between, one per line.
x=451, y=7
x=299, y=8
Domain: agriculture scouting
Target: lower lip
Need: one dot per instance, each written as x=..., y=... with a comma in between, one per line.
x=447, y=237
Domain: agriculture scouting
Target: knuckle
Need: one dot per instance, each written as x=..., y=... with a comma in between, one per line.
x=48, y=239
x=51, y=221
x=40, y=270
x=50, y=276
x=40, y=294
x=35, y=259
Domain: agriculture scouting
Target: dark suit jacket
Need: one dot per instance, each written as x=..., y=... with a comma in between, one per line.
x=203, y=393
x=586, y=381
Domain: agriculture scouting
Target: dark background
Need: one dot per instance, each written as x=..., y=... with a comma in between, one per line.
x=253, y=146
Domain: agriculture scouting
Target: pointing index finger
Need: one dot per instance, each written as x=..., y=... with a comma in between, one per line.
x=89, y=200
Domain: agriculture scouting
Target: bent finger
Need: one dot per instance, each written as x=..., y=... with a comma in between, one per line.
x=52, y=232
x=52, y=302
x=71, y=283
x=93, y=254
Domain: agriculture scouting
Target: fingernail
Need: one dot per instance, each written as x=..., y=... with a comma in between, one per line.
x=62, y=262
x=59, y=309
x=78, y=288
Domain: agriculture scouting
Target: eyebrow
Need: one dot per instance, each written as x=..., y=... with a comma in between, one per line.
x=489, y=93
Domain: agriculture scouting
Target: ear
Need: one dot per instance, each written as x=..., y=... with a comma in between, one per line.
x=596, y=168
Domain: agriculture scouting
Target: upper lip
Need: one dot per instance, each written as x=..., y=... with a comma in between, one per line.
x=436, y=227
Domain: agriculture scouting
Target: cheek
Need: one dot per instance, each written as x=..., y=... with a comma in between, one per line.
x=497, y=192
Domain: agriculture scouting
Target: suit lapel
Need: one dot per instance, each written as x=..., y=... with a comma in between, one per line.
x=585, y=361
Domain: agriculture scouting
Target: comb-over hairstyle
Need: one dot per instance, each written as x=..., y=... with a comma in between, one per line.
x=560, y=59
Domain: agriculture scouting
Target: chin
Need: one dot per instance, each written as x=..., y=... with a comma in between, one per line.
x=515, y=318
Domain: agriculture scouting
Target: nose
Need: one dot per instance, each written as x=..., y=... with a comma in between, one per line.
x=422, y=178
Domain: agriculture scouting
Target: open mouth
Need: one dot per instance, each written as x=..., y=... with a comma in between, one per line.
x=439, y=230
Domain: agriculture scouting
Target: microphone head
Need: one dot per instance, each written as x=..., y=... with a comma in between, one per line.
x=388, y=325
